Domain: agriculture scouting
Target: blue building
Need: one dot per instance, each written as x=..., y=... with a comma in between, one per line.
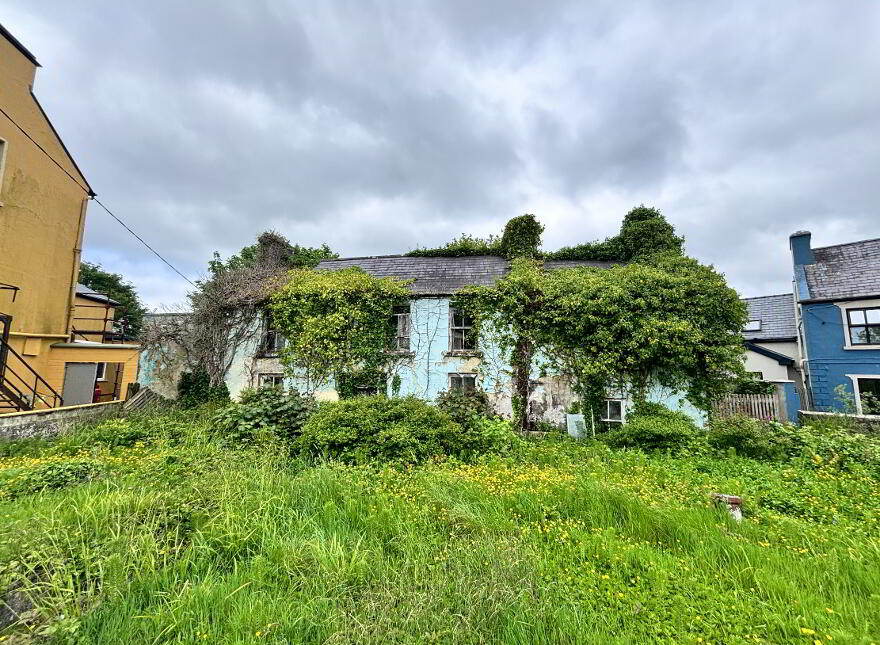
x=837, y=290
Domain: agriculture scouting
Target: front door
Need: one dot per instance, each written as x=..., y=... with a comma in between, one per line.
x=79, y=383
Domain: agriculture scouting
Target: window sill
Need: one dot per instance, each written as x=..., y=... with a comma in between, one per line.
x=861, y=347
x=463, y=353
x=401, y=352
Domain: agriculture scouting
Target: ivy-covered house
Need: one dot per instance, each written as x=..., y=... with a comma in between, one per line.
x=435, y=344
x=837, y=289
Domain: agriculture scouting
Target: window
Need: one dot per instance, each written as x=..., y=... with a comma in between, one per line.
x=271, y=380
x=400, y=322
x=613, y=411
x=273, y=342
x=3, y=147
x=753, y=325
x=101, y=374
x=758, y=376
x=864, y=326
x=869, y=395
x=466, y=382
x=461, y=331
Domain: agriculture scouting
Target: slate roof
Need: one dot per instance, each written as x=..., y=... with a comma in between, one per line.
x=845, y=271
x=776, y=314
x=87, y=292
x=443, y=276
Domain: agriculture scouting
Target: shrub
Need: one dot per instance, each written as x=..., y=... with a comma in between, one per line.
x=463, y=406
x=484, y=435
x=195, y=388
x=375, y=427
x=749, y=438
x=267, y=411
x=654, y=427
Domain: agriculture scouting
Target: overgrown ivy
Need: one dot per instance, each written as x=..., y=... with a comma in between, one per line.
x=337, y=323
x=643, y=232
x=666, y=321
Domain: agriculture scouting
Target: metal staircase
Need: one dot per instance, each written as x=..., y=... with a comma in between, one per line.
x=21, y=388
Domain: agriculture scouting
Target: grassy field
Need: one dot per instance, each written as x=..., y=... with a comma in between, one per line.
x=147, y=531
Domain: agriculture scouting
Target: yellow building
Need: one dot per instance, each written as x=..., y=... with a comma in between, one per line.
x=56, y=347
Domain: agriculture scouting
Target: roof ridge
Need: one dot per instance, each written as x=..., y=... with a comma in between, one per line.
x=772, y=295
x=831, y=246
x=413, y=257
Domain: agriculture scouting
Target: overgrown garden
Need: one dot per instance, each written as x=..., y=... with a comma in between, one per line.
x=378, y=520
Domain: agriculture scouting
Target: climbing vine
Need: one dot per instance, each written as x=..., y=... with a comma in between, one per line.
x=339, y=327
x=668, y=322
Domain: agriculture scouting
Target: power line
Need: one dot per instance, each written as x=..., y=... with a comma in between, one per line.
x=43, y=150
x=140, y=239
x=94, y=198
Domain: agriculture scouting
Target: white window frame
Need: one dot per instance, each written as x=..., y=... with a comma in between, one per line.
x=749, y=326
x=101, y=372
x=844, y=319
x=858, y=395
x=606, y=416
x=263, y=379
x=462, y=375
x=4, y=145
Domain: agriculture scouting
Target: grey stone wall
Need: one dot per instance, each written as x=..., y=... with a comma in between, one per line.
x=48, y=423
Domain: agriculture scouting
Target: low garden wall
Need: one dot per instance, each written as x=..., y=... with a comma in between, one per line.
x=867, y=423
x=48, y=423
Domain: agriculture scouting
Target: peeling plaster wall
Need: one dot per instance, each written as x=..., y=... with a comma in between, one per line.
x=424, y=371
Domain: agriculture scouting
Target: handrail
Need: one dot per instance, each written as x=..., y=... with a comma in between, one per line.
x=56, y=397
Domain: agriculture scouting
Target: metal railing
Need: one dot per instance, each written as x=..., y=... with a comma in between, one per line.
x=112, y=318
x=21, y=387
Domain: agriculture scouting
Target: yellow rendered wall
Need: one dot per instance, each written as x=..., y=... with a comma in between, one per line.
x=58, y=356
x=40, y=219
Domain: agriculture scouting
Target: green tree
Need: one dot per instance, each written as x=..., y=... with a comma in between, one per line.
x=117, y=288
x=338, y=324
x=282, y=251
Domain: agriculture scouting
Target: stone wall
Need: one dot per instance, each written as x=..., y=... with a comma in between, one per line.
x=867, y=423
x=48, y=423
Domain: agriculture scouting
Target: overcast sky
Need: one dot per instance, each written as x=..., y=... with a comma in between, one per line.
x=381, y=126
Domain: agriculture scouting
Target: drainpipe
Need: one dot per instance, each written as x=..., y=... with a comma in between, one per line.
x=74, y=272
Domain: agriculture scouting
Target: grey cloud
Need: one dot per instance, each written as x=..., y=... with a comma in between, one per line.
x=379, y=126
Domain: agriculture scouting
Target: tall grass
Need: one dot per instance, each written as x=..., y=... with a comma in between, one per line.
x=197, y=543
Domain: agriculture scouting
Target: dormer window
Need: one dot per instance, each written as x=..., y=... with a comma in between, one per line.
x=753, y=325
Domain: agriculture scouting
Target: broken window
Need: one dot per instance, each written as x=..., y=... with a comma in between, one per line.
x=465, y=382
x=400, y=321
x=461, y=331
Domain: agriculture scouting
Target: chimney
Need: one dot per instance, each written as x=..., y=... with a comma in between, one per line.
x=801, y=252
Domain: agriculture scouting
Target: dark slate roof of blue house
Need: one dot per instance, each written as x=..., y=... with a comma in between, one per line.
x=776, y=314
x=845, y=271
x=443, y=276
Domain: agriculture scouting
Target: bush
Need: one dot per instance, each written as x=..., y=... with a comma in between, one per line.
x=463, y=406
x=267, y=411
x=195, y=389
x=749, y=438
x=654, y=427
x=375, y=427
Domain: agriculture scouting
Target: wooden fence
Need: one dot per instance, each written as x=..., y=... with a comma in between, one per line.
x=758, y=406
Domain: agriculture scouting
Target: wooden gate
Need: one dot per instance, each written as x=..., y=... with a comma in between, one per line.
x=757, y=406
